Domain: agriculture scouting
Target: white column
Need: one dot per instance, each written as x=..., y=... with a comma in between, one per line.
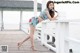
x=43, y=37
x=57, y=38
x=44, y=4
x=35, y=8
x=62, y=32
x=20, y=19
x=2, y=27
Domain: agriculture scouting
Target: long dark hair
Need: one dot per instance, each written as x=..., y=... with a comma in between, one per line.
x=50, y=11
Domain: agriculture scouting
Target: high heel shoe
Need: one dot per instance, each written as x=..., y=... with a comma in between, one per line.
x=19, y=45
x=33, y=48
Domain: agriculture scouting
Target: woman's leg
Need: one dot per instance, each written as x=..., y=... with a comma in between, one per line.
x=32, y=30
x=20, y=43
x=31, y=37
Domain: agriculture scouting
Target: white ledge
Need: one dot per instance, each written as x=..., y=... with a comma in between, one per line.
x=62, y=20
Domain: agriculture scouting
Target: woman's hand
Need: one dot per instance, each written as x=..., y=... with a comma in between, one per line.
x=55, y=18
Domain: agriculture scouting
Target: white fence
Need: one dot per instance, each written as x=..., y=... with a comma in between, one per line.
x=60, y=30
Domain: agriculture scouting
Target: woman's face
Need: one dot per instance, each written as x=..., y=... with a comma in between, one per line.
x=51, y=6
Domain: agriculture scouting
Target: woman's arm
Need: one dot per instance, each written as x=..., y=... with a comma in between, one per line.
x=50, y=18
x=54, y=18
x=47, y=12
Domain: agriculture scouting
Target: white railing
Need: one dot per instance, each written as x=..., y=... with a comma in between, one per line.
x=61, y=34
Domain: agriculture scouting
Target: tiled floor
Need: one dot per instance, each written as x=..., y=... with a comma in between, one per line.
x=11, y=38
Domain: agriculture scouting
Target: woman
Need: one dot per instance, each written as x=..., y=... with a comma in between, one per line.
x=48, y=13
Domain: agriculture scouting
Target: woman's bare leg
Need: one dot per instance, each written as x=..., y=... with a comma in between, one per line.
x=20, y=43
x=31, y=37
x=32, y=30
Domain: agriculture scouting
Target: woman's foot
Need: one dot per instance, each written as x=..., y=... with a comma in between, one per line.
x=33, y=48
x=19, y=45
